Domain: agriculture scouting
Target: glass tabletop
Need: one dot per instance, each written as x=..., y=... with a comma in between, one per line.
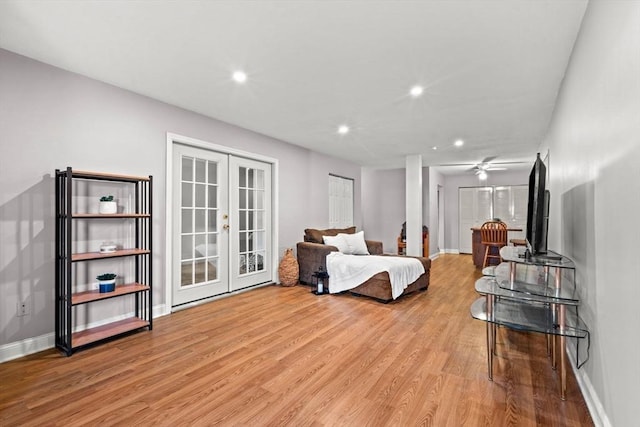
x=534, y=279
x=551, y=259
x=527, y=291
x=528, y=317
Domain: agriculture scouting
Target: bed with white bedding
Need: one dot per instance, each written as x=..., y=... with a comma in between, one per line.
x=383, y=277
x=347, y=272
x=374, y=279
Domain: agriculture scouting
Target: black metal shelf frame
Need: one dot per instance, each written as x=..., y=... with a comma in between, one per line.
x=64, y=286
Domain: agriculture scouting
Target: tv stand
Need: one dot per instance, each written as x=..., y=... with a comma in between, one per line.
x=531, y=294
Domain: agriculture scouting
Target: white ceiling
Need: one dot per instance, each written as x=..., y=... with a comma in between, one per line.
x=491, y=69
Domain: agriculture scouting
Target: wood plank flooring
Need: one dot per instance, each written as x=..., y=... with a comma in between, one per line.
x=283, y=356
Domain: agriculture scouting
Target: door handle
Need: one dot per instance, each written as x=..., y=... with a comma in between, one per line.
x=225, y=227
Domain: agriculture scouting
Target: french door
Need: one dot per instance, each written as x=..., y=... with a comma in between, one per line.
x=221, y=223
x=250, y=206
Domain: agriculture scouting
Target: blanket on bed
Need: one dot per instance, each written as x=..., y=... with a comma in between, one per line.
x=348, y=271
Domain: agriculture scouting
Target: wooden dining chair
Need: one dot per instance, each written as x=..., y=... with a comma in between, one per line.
x=493, y=234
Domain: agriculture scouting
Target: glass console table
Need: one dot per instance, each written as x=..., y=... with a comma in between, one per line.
x=535, y=294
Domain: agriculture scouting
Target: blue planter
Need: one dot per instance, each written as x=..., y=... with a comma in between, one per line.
x=107, y=285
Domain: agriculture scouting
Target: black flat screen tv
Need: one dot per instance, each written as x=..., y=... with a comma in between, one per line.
x=537, y=209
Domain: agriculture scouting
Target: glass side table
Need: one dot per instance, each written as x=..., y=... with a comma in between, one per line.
x=534, y=295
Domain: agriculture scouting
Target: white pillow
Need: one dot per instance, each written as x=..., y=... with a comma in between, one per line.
x=337, y=241
x=355, y=243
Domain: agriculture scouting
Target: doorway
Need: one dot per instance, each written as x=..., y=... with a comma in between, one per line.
x=221, y=210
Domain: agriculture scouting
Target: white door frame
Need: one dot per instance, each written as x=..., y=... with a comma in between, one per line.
x=185, y=140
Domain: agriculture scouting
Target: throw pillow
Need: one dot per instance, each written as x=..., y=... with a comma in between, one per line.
x=337, y=241
x=315, y=235
x=355, y=243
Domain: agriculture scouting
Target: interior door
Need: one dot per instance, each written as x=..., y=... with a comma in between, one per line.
x=250, y=225
x=200, y=258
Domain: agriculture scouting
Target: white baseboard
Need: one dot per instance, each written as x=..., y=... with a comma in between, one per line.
x=450, y=251
x=217, y=297
x=598, y=415
x=29, y=346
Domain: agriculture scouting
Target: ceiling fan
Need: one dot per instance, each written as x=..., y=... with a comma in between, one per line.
x=487, y=164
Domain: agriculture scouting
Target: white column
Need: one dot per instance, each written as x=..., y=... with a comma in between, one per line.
x=413, y=194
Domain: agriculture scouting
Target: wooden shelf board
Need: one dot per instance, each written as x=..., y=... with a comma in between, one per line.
x=118, y=215
x=91, y=335
x=101, y=175
x=97, y=255
x=95, y=295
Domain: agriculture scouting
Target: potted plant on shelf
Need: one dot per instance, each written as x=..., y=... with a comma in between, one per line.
x=107, y=282
x=107, y=205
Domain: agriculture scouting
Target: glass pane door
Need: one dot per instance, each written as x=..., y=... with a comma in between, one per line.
x=200, y=241
x=251, y=231
x=199, y=232
x=251, y=222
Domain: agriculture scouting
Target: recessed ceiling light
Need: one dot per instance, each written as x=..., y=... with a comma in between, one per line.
x=239, y=76
x=416, y=91
x=434, y=148
x=482, y=175
x=458, y=143
x=343, y=129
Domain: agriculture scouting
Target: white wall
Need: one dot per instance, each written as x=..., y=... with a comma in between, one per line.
x=453, y=182
x=52, y=119
x=594, y=143
x=383, y=205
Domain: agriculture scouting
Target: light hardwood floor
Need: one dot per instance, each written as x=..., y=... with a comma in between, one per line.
x=283, y=356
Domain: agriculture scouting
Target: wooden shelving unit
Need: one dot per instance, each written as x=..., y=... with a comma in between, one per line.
x=100, y=255
x=70, y=335
x=95, y=295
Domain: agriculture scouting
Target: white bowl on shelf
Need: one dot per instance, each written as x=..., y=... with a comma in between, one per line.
x=108, y=247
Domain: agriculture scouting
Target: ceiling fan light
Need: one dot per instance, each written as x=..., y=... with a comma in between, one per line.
x=482, y=175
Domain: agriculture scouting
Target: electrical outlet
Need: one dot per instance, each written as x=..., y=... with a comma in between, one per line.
x=22, y=309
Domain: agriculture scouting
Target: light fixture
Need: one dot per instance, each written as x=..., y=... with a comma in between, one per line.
x=239, y=76
x=434, y=148
x=343, y=129
x=458, y=143
x=416, y=91
x=482, y=175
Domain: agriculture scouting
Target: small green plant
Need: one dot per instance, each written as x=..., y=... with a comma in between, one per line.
x=106, y=276
x=106, y=198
